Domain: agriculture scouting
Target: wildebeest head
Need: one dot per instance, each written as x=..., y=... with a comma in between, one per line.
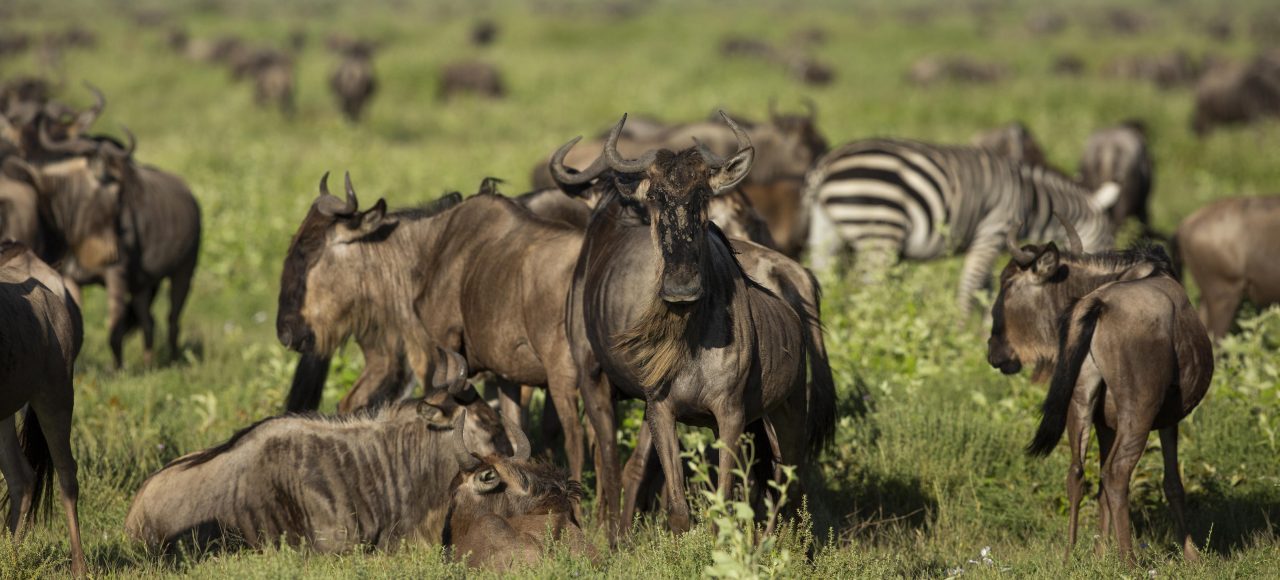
x=675, y=189
x=801, y=142
x=1014, y=141
x=319, y=250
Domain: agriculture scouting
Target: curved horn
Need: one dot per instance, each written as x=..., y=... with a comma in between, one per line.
x=621, y=164
x=706, y=153
x=562, y=173
x=87, y=118
x=1021, y=256
x=329, y=204
x=352, y=203
x=1073, y=237
x=71, y=146
x=127, y=152
x=520, y=449
x=739, y=133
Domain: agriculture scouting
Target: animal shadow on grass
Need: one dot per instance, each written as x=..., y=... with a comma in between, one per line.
x=1219, y=521
x=200, y=543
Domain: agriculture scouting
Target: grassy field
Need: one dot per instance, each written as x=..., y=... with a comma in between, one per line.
x=932, y=482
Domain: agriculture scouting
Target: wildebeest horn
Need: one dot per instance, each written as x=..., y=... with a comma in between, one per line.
x=127, y=152
x=87, y=118
x=706, y=153
x=519, y=441
x=562, y=174
x=72, y=146
x=352, y=204
x=1073, y=237
x=1021, y=256
x=620, y=164
x=331, y=205
x=738, y=133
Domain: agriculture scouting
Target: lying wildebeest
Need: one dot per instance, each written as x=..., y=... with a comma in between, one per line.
x=39, y=341
x=1014, y=141
x=955, y=69
x=353, y=82
x=662, y=307
x=1121, y=155
x=1127, y=353
x=1237, y=94
x=503, y=510
x=483, y=277
x=471, y=76
x=160, y=227
x=786, y=147
x=332, y=483
x=1230, y=248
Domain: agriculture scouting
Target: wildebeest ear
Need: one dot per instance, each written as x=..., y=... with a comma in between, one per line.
x=435, y=416
x=368, y=221
x=19, y=170
x=1046, y=263
x=486, y=480
x=733, y=171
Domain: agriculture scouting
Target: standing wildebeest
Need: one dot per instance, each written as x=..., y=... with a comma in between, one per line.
x=1237, y=94
x=663, y=308
x=1014, y=141
x=1230, y=247
x=272, y=74
x=471, y=76
x=331, y=482
x=502, y=511
x=1120, y=155
x=482, y=277
x=955, y=69
x=39, y=341
x=786, y=147
x=1128, y=354
x=353, y=82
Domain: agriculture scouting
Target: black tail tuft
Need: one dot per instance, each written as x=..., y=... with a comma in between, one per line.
x=1071, y=355
x=822, y=394
x=308, y=384
x=36, y=450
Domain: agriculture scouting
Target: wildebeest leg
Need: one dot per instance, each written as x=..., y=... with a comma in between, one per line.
x=509, y=401
x=1173, y=492
x=55, y=424
x=873, y=258
x=1106, y=438
x=1131, y=441
x=117, y=312
x=140, y=304
x=1218, y=305
x=976, y=272
x=1079, y=416
x=381, y=381
x=597, y=402
x=179, y=287
x=18, y=475
x=639, y=476
x=564, y=401
x=729, y=424
x=662, y=424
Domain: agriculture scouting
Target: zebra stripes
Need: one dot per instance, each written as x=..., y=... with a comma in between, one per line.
x=908, y=199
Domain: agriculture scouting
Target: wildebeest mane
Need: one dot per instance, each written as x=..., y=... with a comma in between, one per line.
x=430, y=208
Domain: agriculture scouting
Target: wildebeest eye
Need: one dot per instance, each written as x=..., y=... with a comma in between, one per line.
x=488, y=479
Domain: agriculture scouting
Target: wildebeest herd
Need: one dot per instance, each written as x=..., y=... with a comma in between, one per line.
x=660, y=262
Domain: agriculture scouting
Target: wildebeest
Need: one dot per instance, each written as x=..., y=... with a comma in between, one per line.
x=484, y=32
x=662, y=307
x=1068, y=65
x=1166, y=71
x=471, y=76
x=956, y=69
x=1237, y=94
x=332, y=483
x=482, y=277
x=1127, y=353
x=353, y=82
x=502, y=512
x=1014, y=141
x=1121, y=155
x=1230, y=248
x=1045, y=23
x=272, y=73
x=39, y=341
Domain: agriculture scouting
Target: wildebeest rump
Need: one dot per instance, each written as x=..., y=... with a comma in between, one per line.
x=39, y=342
x=1237, y=94
x=503, y=510
x=483, y=277
x=1128, y=354
x=1014, y=141
x=1120, y=155
x=1230, y=247
x=330, y=482
x=669, y=316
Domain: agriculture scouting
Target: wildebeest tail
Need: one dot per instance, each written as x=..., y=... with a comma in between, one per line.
x=1073, y=346
x=36, y=450
x=308, y=384
x=822, y=386
x=1175, y=256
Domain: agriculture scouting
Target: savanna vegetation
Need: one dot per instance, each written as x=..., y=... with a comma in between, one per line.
x=931, y=481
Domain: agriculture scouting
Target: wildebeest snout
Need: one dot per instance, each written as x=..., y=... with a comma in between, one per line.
x=294, y=334
x=681, y=284
x=1000, y=356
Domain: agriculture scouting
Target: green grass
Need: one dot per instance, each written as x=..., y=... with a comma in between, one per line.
x=934, y=473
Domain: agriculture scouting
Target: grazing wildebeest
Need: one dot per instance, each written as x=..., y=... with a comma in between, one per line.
x=1014, y=141
x=956, y=69
x=1166, y=71
x=1127, y=353
x=471, y=76
x=663, y=308
x=1234, y=94
x=1230, y=248
x=502, y=512
x=332, y=483
x=39, y=341
x=353, y=82
x=1120, y=155
x=482, y=277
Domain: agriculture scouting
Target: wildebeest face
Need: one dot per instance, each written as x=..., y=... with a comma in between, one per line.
x=319, y=294
x=1020, y=331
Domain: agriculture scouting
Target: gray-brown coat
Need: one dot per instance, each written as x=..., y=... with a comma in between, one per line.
x=1120, y=155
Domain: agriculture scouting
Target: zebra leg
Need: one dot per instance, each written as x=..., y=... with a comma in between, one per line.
x=824, y=242
x=874, y=257
x=976, y=272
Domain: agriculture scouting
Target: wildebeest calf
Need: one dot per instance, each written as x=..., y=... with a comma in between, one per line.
x=330, y=482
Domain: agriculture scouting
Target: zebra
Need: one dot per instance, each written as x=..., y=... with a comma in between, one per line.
x=898, y=198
